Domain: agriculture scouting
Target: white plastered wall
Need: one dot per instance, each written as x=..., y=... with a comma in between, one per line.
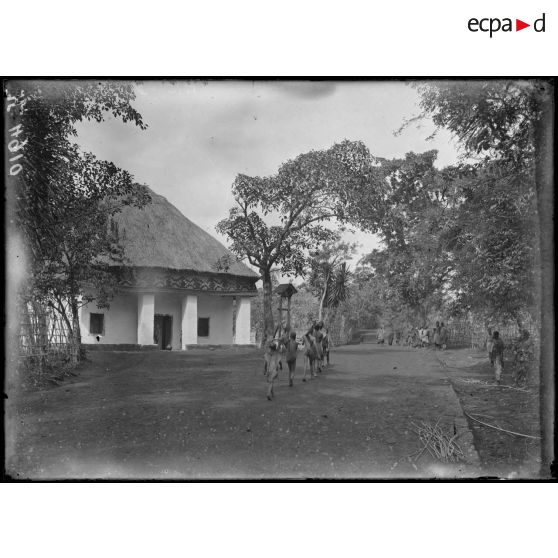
x=219, y=310
x=121, y=321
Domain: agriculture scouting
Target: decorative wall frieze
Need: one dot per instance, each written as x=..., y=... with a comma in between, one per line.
x=153, y=277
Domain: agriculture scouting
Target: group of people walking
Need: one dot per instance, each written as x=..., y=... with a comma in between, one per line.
x=316, y=344
x=436, y=336
x=521, y=351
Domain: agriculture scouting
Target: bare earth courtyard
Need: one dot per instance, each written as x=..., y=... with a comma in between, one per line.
x=203, y=414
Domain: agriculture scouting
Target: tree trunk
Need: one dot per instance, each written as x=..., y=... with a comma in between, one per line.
x=268, y=323
x=76, y=332
x=40, y=335
x=321, y=307
x=342, y=338
x=545, y=202
x=322, y=299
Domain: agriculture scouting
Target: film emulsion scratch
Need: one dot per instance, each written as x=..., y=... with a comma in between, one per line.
x=279, y=279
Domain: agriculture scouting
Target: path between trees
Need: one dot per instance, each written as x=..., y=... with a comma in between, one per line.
x=204, y=414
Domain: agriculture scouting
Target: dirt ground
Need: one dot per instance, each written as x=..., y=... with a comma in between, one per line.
x=502, y=454
x=203, y=414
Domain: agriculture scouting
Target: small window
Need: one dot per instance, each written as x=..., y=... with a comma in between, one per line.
x=97, y=324
x=203, y=327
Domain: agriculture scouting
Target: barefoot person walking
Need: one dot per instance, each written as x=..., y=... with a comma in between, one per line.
x=273, y=362
x=290, y=356
x=310, y=355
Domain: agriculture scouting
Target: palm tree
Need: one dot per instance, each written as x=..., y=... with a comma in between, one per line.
x=330, y=274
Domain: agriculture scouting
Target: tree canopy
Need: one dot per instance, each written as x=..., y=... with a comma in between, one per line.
x=278, y=219
x=65, y=198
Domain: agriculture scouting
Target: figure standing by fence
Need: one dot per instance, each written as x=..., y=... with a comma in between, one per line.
x=380, y=336
x=443, y=336
x=497, y=356
x=523, y=357
x=423, y=333
x=489, y=344
x=436, y=339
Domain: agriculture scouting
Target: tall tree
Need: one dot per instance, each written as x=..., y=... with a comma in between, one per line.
x=490, y=236
x=329, y=274
x=510, y=124
x=412, y=267
x=277, y=219
x=62, y=199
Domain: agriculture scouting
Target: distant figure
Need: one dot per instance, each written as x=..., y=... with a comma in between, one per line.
x=437, y=344
x=410, y=338
x=423, y=333
x=390, y=337
x=489, y=344
x=497, y=356
x=413, y=339
x=290, y=355
x=272, y=367
x=326, y=344
x=381, y=336
x=524, y=355
x=443, y=336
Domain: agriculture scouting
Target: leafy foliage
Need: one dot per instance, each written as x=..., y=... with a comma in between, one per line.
x=329, y=274
x=411, y=269
x=65, y=198
x=278, y=219
x=495, y=228
x=495, y=119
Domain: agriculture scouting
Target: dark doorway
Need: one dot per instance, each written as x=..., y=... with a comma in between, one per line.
x=162, y=332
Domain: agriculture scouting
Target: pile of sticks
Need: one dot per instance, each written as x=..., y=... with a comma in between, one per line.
x=489, y=384
x=440, y=445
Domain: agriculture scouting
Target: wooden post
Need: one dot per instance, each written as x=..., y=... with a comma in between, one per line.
x=280, y=315
x=289, y=313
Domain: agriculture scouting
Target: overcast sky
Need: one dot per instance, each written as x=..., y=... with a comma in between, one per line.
x=201, y=135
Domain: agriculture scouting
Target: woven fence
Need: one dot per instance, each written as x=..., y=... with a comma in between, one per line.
x=44, y=339
x=471, y=334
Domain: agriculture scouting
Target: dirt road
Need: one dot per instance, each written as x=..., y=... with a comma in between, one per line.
x=204, y=414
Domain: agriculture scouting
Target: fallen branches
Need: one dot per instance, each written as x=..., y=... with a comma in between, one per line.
x=501, y=429
x=438, y=444
x=489, y=384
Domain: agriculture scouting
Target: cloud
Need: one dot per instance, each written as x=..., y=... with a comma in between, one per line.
x=305, y=89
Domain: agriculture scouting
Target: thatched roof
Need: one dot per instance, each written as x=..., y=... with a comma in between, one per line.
x=158, y=235
x=285, y=289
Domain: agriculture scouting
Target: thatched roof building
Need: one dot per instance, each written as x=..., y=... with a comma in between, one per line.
x=179, y=287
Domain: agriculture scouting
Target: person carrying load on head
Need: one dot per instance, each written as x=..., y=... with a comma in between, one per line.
x=291, y=352
x=310, y=354
x=272, y=367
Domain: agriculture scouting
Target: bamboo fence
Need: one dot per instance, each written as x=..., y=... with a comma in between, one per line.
x=44, y=339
